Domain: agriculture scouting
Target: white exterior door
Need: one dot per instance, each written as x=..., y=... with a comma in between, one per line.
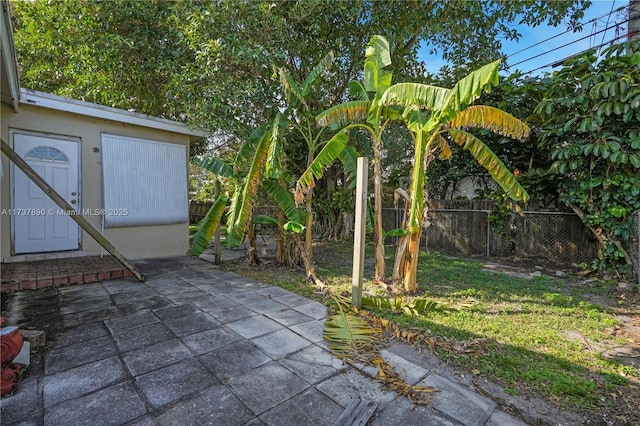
x=38, y=223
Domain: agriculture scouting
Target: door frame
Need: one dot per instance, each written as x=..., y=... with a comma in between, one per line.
x=13, y=168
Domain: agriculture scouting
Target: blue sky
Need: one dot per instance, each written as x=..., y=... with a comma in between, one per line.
x=530, y=36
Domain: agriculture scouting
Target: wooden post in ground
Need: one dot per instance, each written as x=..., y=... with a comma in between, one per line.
x=217, y=234
x=360, y=231
x=68, y=208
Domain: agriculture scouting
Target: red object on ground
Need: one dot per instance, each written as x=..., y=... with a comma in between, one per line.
x=10, y=346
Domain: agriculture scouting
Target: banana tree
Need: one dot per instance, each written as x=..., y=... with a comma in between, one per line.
x=254, y=162
x=237, y=222
x=262, y=156
x=436, y=117
x=364, y=113
x=302, y=122
x=243, y=180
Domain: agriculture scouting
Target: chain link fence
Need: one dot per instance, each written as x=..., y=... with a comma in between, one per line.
x=552, y=236
x=555, y=237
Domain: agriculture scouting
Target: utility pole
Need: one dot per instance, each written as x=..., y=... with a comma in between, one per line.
x=634, y=20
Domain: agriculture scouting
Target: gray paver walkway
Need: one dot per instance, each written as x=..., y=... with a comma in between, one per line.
x=198, y=346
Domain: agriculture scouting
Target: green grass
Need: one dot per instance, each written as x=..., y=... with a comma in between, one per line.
x=547, y=341
x=287, y=278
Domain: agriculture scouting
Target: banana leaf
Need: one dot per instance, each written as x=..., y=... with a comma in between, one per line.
x=415, y=94
x=295, y=93
x=263, y=219
x=423, y=305
x=251, y=183
x=377, y=58
x=381, y=302
x=490, y=161
x=397, y=232
x=490, y=118
x=469, y=88
x=324, y=64
x=331, y=150
x=295, y=227
x=292, y=91
x=207, y=226
x=272, y=167
x=285, y=200
x=344, y=329
x=233, y=238
x=357, y=91
x=214, y=165
x=344, y=114
x=349, y=158
x=418, y=306
x=248, y=148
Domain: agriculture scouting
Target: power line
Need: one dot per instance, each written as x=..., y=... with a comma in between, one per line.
x=608, y=17
x=576, y=54
x=569, y=44
x=567, y=31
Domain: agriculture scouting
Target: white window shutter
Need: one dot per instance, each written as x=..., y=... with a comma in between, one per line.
x=144, y=182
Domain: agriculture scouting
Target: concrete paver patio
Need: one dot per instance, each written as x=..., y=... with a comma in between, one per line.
x=196, y=346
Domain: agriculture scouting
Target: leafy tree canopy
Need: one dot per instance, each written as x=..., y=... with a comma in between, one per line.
x=591, y=126
x=212, y=63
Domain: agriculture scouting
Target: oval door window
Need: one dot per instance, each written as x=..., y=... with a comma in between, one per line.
x=46, y=153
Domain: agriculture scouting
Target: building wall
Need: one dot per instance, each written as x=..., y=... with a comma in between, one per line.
x=469, y=187
x=132, y=242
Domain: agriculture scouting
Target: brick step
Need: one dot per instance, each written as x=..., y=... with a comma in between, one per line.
x=59, y=272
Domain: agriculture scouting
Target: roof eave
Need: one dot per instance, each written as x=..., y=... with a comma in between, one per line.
x=48, y=100
x=10, y=77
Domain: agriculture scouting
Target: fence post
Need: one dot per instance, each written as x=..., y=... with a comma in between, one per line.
x=217, y=234
x=488, y=235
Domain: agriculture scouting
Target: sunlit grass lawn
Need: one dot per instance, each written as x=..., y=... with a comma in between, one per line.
x=544, y=339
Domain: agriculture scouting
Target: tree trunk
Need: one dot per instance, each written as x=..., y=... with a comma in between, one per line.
x=380, y=273
x=601, y=237
x=309, y=266
x=415, y=221
x=331, y=222
x=401, y=251
x=337, y=227
x=347, y=229
x=252, y=253
x=280, y=257
x=398, y=272
x=411, y=263
x=308, y=237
